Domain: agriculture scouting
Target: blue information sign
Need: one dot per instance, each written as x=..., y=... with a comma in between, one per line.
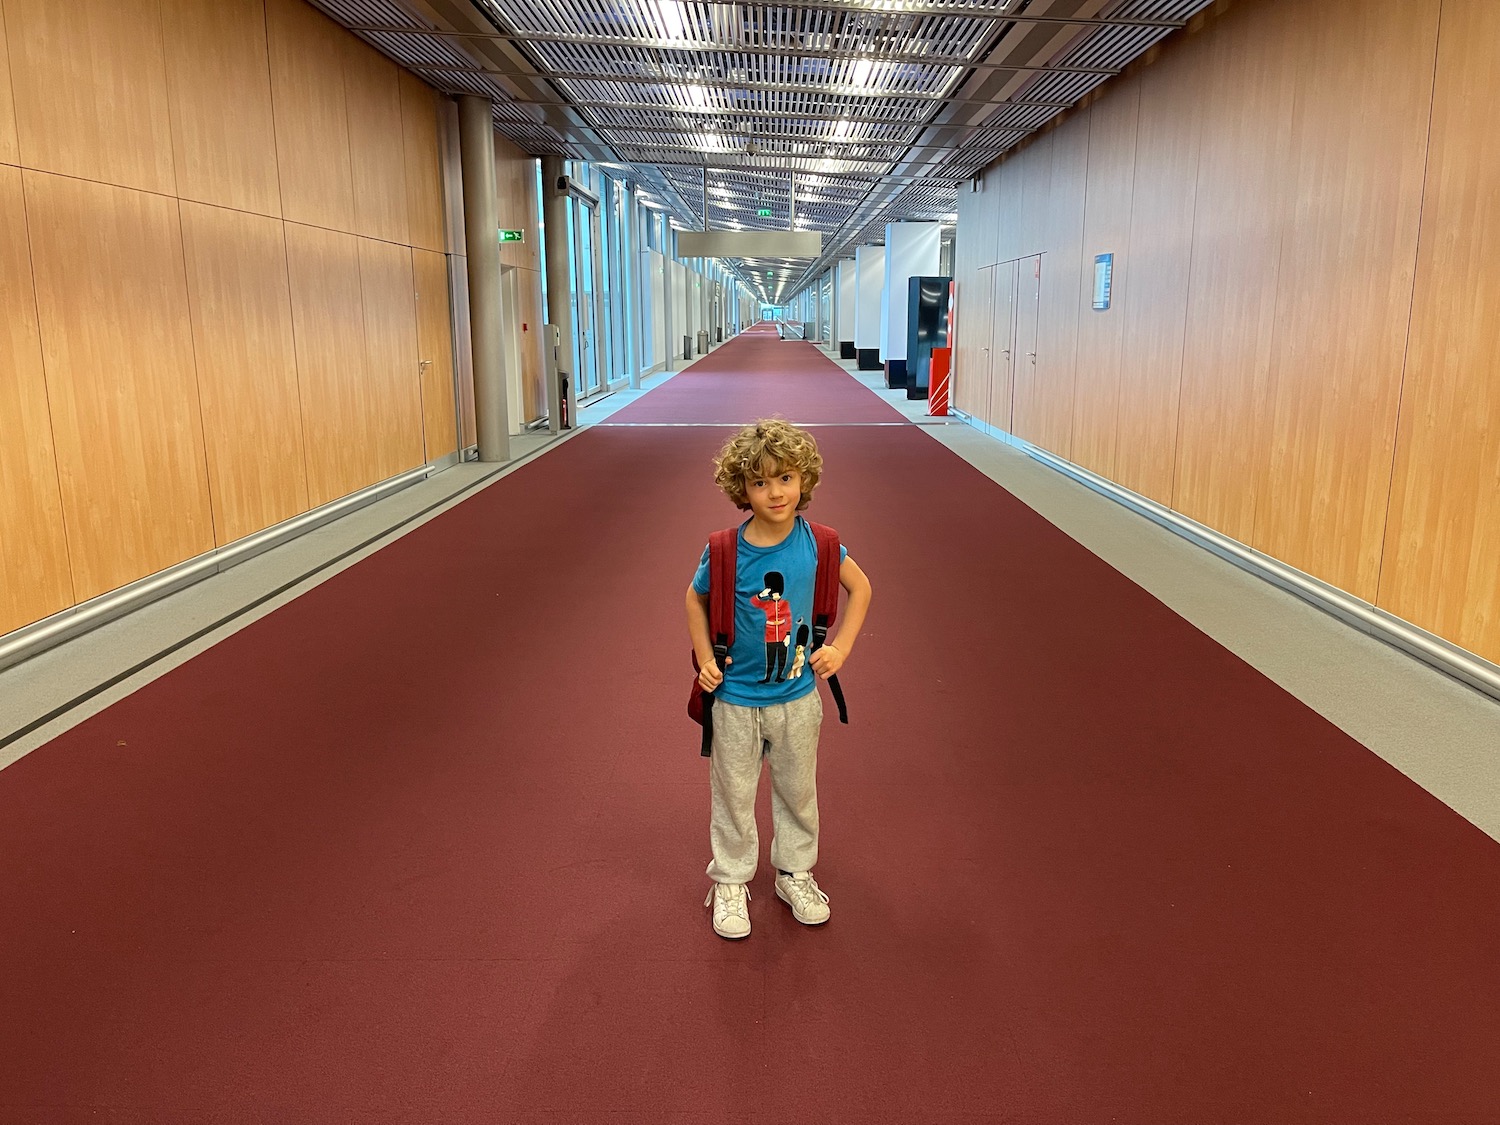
x=1104, y=277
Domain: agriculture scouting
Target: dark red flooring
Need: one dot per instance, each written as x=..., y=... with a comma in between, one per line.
x=427, y=845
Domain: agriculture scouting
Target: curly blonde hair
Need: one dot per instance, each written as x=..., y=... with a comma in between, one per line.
x=770, y=446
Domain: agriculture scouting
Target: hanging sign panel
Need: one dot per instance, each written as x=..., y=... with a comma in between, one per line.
x=1104, y=279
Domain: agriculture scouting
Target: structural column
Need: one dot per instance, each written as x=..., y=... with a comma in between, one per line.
x=911, y=250
x=476, y=137
x=869, y=265
x=559, y=278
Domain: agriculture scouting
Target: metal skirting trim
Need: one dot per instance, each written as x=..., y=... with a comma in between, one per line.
x=26, y=642
x=1433, y=650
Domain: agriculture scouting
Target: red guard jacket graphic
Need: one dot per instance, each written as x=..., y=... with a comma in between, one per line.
x=778, y=618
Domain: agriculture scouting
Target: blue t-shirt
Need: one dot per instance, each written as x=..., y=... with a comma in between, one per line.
x=773, y=604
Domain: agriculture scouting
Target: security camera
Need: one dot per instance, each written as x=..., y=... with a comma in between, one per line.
x=752, y=148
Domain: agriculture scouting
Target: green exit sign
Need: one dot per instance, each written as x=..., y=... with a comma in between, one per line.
x=764, y=213
x=513, y=236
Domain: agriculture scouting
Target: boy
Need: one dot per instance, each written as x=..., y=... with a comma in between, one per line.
x=769, y=469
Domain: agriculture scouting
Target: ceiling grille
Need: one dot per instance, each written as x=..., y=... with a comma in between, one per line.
x=871, y=111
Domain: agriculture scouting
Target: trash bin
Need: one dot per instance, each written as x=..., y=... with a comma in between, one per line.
x=703, y=341
x=687, y=347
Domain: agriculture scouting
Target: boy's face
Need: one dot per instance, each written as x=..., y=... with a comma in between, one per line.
x=774, y=497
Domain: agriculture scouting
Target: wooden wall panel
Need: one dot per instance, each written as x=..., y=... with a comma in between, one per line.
x=1010, y=243
x=9, y=146
x=312, y=124
x=90, y=90
x=219, y=85
x=328, y=318
x=117, y=343
x=34, y=578
x=422, y=155
x=1442, y=549
x=533, y=357
x=247, y=368
x=515, y=185
x=1161, y=243
x=1242, y=181
x=377, y=155
x=1049, y=412
x=392, y=376
x=1106, y=229
x=435, y=352
x=1035, y=174
x=1348, y=255
x=976, y=228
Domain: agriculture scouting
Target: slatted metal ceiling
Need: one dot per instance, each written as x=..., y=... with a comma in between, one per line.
x=880, y=108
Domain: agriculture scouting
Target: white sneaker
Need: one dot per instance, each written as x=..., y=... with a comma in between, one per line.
x=731, y=916
x=800, y=891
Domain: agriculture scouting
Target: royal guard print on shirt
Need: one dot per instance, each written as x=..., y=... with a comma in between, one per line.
x=772, y=602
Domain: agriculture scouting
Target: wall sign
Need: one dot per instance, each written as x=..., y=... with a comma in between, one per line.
x=1104, y=279
x=513, y=236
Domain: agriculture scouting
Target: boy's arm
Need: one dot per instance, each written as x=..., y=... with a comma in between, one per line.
x=857, y=586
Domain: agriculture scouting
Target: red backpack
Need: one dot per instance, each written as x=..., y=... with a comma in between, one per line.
x=723, y=554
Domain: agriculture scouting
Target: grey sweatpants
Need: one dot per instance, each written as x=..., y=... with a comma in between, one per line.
x=787, y=734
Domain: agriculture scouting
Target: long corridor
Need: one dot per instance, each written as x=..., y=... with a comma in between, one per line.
x=427, y=843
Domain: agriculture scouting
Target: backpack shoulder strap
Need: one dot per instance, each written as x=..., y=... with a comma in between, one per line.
x=723, y=556
x=826, y=585
x=826, y=601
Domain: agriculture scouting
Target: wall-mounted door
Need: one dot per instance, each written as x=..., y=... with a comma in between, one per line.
x=998, y=409
x=971, y=372
x=1028, y=313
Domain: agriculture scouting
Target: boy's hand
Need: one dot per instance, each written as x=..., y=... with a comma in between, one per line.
x=709, y=676
x=827, y=661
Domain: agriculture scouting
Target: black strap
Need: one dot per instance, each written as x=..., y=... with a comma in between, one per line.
x=820, y=634
x=721, y=653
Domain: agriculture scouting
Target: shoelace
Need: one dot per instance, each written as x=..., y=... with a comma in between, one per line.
x=732, y=898
x=806, y=890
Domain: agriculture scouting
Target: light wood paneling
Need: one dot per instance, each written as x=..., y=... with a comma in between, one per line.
x=312, y=124
x=34, y=579
x=974, y=240
x=377, y=154
x=328, y=316
x=1242, y=175
x=533, y=357
x=515, y=187
x=1010, y=242
x=999, y=406
x=1442, y=550
x=1348, y=254
x=435, y=352
x=9, y=147
x=422, y=154
x=113, y=307
x=1048, y=410
x=219, y=84
x=90, y=89
x=392, y=375
x=1035, y=173
x=1161, y=233
x=1106, y=229
x=247, y=368
x=971, y=376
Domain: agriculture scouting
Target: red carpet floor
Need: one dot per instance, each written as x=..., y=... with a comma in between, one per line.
x=759, y=375
x=426, y=845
